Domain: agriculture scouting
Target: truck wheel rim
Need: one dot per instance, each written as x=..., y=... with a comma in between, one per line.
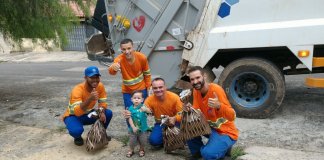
x=249, y=89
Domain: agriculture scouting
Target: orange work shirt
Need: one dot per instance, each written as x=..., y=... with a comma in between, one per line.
x=222, y=119
x=171, y=106
x=136, y=76
x=79, y=95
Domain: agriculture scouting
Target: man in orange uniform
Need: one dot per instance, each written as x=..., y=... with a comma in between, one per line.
x=83, y=99
x=135, y=71
x=162, y=102
x=213, y=103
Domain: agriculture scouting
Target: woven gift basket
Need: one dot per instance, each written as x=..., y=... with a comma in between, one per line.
x=193, y=122
x=172, y=139
x=97, y=137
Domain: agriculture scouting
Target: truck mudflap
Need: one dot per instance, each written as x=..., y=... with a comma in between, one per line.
x=99, y=19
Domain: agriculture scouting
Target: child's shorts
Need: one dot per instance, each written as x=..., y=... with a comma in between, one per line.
x=135, y=138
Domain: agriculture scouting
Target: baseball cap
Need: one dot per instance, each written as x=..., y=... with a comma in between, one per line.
x=91, y=71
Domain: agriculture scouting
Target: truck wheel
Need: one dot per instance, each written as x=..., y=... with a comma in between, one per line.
x=255, y=87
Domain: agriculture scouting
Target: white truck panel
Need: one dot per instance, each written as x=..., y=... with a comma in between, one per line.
x=262, y=11
x=289, y=33
x=259, y=23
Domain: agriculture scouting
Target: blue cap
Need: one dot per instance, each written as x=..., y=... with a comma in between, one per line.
x=91, y=71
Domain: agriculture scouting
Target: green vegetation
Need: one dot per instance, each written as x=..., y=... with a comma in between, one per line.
x=61, y=129
x=39, y=19
x=124, y=139
x=236, y=152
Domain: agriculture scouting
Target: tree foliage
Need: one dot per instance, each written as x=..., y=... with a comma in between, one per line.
x=39, y=19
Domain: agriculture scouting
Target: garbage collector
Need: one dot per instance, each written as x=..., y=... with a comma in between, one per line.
x=83, y=99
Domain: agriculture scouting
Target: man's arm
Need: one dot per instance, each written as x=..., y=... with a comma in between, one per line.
x=115, y=67
x=223, y=107
x=147, y=74
x=93, y=96
x=77, y=106
x=102, y=101
x=179, y=109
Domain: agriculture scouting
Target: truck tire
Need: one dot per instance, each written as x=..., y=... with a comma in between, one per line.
x=255, y=87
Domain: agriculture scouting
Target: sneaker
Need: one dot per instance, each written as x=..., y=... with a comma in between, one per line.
x=78, y=141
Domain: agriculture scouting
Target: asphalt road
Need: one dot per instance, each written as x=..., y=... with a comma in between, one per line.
x=36, y=94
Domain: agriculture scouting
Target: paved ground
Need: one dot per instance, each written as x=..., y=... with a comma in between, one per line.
x=30, y=129
x=70, y=56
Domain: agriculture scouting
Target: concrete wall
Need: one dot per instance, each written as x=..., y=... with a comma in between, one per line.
x=4, y=47
x=7, y=46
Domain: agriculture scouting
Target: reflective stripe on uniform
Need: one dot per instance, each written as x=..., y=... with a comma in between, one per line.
x=218, y=122
x=102, y=100
x=134, y=80
x=146, y=73
x=72, y=106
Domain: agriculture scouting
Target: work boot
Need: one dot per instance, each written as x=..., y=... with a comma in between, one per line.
x=78, y=141
x=228, y=152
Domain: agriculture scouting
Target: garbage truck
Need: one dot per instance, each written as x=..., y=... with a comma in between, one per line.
x=254, y=43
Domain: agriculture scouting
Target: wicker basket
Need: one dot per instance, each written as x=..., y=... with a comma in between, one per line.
x=194, y=124
x=172, y=139
x=97, y=137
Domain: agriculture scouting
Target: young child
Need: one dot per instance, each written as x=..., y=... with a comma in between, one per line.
x=138, y=124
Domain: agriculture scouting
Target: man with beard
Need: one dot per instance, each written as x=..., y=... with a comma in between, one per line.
x=83, y=99
x=162, y=102
x=135, y=71
x=211, y=100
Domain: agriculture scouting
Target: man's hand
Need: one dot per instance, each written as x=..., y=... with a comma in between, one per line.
x=103, y=117
x=149, y=91
x=171, y=121
x=185, y=96
x=214, y=102
x=94, y=95
x=145, y=109
x=186, y=107
x=126, y=114
x=116, y=66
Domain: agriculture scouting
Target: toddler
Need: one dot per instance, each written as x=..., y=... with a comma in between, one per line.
x=138, y=124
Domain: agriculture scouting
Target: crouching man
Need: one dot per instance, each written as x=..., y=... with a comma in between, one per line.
x=83, y=99
x=211, y=99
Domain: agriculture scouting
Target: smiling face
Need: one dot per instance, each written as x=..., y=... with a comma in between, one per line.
x=93, y=81
x=137, y=98
x=158, y=88
x=197, y=79
x=128, y=50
